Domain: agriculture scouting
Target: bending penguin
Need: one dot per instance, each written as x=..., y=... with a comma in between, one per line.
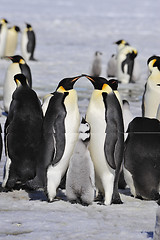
x=104, y=115
x=60, y=133
x=96, y=68
x=112, y=63
x=3, y=36
x=141, y=158
x=18, y=65
x=23, y=128
x=151, y=100
x=125, y=64
x=11, y=41
x=80, y=182
x=28, y=43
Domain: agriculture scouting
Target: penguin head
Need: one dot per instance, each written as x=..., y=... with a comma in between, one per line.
x=121, y=44
x=113, y=83
x=67, y=84
x=16, y=59
x=17, y=29
x=97, y=53
x=84, y=131
x=3, y=21
x=20, y=80
x=99, y=83
x=153, y=63
x=28, y=26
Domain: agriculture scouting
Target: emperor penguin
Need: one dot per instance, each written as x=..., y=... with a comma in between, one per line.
x=23, y=129
x=3, y=36
x=28, y=43
x=60, y=133
x=125, y=64
x=80, y=180
x=96, y=68
x=127, y=115
x=112, y=63
x=18, y=65
x=151, y=100
x=104, y=114
x=12, y=40
x=141, y=158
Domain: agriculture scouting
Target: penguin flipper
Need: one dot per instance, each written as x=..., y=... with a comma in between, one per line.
x=115, y=131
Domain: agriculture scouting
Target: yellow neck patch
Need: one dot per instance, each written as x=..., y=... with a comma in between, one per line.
x=106, y=88
x=22, y=61
x=61, y=89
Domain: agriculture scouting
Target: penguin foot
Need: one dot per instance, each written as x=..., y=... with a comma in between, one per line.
x=34, y=184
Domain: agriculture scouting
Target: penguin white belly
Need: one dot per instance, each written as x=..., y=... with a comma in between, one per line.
x=72, y=121
x=151, y=101
x=11, y=43
x=9, y=85
x=45, y=103
x=96, y=118
x=25, y=54
x=3, y=36
x=129, y=180
x=122, y=76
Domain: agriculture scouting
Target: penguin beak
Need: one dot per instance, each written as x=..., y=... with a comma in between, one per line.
x=8, y=57
x=76, y=78
x=91, y=79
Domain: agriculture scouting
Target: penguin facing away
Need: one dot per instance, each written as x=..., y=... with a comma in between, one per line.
x=142, y=169
x=23, y=128
x=18, y=65
x=11, y=41
x=125, y=64
x=3, y=36
x=28, y=43
x=104, y=115
x=150, y=100
x=96, y=68
x=80, y=182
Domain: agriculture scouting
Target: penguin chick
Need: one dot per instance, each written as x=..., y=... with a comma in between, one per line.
x=125, y=64
x=3, y=36
x=96, y=65
x=12, y=40
x=28, y=43
x=151, y=100
x=80, y=183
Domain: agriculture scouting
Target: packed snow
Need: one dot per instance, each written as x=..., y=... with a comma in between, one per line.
x=68, y=33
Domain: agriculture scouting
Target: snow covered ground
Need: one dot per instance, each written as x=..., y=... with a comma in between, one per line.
x=68, y=33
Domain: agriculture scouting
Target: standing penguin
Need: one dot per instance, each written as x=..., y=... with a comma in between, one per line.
x=23, y=130
x=3, y=36
x=141, y=158
x=80, y=183
x=112, y=63
x=60, y=133
x=28, y=43
x=12, y=40
x=125, y=64
x=18, y=65
x=96, y=65
x=151, y=99
x=104, y=115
